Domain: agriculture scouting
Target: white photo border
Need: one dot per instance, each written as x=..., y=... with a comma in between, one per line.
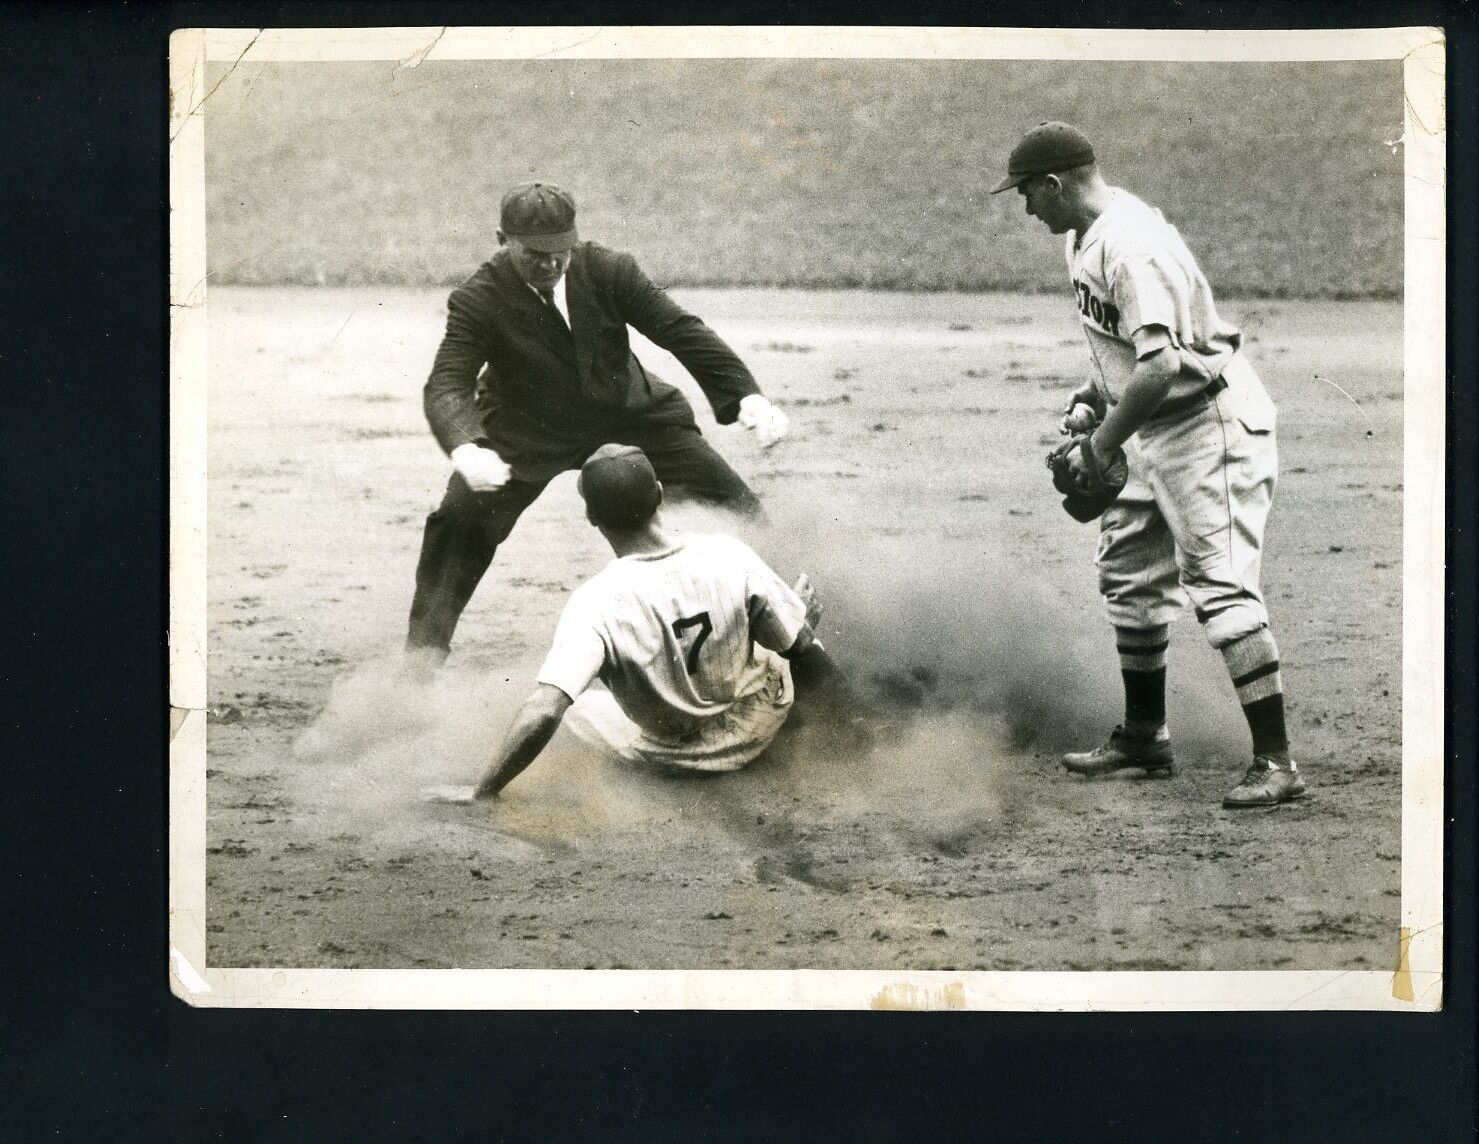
x=1413, y=984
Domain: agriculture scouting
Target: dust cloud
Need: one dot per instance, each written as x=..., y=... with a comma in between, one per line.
x=388, y=733
x=966, y=672
x=972, y=673
x=968, y=641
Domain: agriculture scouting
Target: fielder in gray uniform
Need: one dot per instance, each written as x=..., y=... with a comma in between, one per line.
x=1173, y=388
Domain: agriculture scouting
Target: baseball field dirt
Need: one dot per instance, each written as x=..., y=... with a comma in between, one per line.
x=958, y=594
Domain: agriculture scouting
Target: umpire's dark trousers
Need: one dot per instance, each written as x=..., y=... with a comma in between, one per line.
x=466, y=529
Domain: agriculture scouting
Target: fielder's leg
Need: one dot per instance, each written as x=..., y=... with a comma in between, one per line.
x=456, y=549
x=1138, y=580
x=1219, y=526
x=688, y=466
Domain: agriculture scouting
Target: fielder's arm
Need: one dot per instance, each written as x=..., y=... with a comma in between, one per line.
x=1147, y=388
x=532, y=729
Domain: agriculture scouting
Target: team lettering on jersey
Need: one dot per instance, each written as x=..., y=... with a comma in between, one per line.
x=1106, y=315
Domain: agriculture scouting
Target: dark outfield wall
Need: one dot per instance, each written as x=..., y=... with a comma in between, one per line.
x=1285, y=178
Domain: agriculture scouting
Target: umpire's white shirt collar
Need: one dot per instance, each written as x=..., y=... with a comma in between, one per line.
x=559, y=293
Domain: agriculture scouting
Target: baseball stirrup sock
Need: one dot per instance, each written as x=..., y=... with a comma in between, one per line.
x=1253, y=663
x=1143, y=668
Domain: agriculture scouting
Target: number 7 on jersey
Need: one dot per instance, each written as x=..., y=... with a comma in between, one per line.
x=701, y=622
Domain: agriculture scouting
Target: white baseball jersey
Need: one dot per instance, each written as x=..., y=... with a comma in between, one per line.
x=1139, y=289
x=672, y=634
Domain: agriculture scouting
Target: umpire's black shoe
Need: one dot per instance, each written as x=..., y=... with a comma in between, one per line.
x=1123, y=751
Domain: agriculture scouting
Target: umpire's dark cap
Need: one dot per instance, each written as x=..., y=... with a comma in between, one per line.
x=1046, y=149
x=619, y=487
x=540, y=215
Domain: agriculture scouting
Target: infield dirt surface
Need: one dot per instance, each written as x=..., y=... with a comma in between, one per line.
x=958, y=594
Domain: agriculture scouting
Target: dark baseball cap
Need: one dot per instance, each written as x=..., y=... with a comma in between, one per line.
x=540, y=215
x=619, y=486
x=1047, y=148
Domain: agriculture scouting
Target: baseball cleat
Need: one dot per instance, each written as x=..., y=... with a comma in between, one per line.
x=1266, y=784
x=1123, y=751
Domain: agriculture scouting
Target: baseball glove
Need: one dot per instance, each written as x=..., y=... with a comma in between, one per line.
x=1091, y=490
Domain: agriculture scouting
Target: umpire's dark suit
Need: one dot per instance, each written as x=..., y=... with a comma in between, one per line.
x=549, y=398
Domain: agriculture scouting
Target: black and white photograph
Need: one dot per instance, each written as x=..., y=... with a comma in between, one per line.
x=807, y=518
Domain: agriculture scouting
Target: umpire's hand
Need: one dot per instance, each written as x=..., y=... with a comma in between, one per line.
x=768, y=423
x=482, y=469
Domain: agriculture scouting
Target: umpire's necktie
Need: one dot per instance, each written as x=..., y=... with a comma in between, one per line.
x=549, y=300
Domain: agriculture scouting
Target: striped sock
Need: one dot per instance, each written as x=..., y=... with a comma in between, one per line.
x=1253, y=663
x=1143, y=668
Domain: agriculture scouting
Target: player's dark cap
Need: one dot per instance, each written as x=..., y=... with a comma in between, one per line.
x=540, y=215
x=619, y=487
x=1047, y=148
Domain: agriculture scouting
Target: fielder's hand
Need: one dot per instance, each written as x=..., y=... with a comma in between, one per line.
x=1080, y=419
x=1089, y=482
x=1083, y=412
x=482, y=469
x=768, y=423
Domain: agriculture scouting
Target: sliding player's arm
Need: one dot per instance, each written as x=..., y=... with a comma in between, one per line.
x=814, y=671
x=783, y=619
x=574, y=660
x=532, y=729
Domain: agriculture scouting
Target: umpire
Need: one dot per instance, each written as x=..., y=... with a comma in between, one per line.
x=535, y=372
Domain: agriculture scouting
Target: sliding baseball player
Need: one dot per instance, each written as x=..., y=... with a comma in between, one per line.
x=683, y=652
